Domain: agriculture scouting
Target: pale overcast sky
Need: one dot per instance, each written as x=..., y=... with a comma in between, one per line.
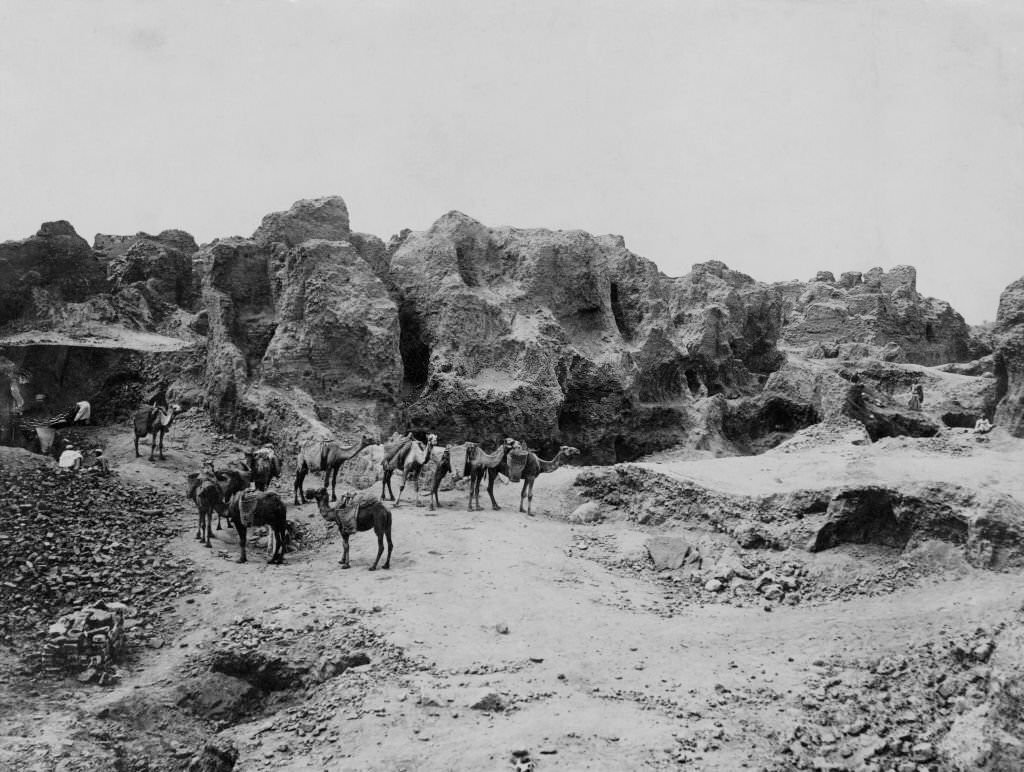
x=782, y=137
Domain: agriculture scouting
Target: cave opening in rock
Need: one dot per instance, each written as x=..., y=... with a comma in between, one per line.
x=414, y=350
x=1002, y=378
x=693, y=382
x=625, y=330
x=960, y=419
x=929, y=333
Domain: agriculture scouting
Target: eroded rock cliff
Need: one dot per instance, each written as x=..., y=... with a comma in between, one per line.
x=1009, y=359
x=565, y=337
x=878, y=308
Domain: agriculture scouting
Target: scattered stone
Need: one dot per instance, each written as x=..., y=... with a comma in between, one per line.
x=490, y=703
x=714, y=585
x=668, y=552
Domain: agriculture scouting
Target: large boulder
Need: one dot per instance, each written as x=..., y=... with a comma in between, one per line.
x=54, y=266
x=1009, y=359
x=876, y=308
x=564, y=337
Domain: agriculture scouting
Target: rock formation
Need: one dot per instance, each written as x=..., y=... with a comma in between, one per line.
x=298, y=310
x=565, y=337
x=55, y=266
x=876, y=308
x=1009, y=364
x=554, y=337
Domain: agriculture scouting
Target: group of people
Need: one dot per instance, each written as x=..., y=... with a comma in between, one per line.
x=74, y=459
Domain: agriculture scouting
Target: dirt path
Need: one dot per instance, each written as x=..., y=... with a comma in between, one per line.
x=496, y=602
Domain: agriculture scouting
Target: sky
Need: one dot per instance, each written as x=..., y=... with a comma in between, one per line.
x=781, y=137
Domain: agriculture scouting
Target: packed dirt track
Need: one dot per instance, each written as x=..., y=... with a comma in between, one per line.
x=501, y=641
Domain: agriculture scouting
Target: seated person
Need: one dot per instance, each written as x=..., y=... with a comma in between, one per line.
x=70, y=458
x=982, y=426
x=96, y=461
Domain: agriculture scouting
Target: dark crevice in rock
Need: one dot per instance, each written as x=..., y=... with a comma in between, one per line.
x=414, y=349
x=621, y=322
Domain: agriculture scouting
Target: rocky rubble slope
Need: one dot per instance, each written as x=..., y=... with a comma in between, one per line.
x=71, y=539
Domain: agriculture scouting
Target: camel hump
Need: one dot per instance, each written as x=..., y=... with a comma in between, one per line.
x=397, y=459
x=142, y=421
x=517, y=463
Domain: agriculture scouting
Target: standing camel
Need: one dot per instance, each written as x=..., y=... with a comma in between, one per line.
x=394, y=458
x=325, y=456
x=478, y=464
x=537, y=466
x=260, y=508
x=264, y=465
x=154, y=421
x=204, y=490
x=367, y=515
x=417, y=456
x=444, y=466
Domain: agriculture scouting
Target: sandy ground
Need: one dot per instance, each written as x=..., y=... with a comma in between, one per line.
x=500, y=602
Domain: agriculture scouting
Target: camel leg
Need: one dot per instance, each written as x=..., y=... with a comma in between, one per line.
x=300, y=475
x=472, y=482
x=277, y=534
x=416, y=484
x=199, y=529
x=240, y=530
x=529, y=498
x=401, y=490
x=334, y=481
x=137, y=446
x=162, y=446
x=522, y=495
x=344, y=556
x=491, y=477
x=209, y=526
x=387, y=562
x=380, y=548
x=152, y=445
x=385, y=482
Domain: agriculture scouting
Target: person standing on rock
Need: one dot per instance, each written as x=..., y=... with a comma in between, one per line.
x=918, y=391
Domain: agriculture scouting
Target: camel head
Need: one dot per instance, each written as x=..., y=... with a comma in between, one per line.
x=431, y=440
x=366, y=440
x=568, y=451
x=320, y=495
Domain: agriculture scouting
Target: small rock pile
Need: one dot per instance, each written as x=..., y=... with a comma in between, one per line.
x=70, y=540
x=86, y=642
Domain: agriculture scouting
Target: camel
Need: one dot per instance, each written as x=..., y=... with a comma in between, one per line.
x=444, y=466
x=368, y=514
x=204, y=490
x=394, y=458
x=260, y=508
x=325, y=456
x=154, y=421
x=231, y=480
x=537, y=466
x=417, y=456
x=265, y=466
x=478, y=464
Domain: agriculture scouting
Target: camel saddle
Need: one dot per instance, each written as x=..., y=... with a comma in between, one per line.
x=347, y=514
x=248, y=501
x=516, y=464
